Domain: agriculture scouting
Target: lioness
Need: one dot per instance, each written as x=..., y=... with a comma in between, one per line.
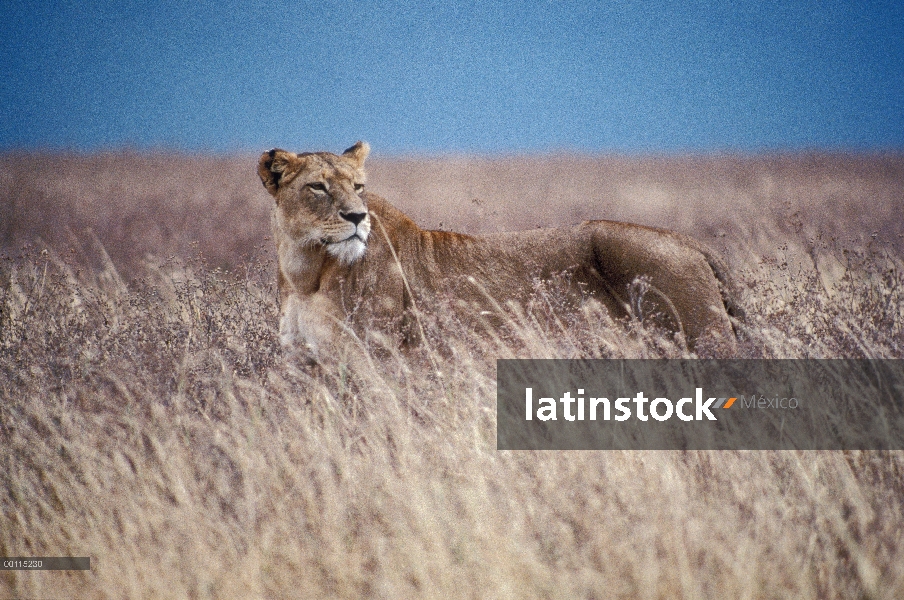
x=347, y=256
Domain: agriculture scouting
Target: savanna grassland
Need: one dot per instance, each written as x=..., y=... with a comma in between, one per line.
x=148, y=419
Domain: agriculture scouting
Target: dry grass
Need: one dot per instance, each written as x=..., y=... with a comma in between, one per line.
x=148, y=420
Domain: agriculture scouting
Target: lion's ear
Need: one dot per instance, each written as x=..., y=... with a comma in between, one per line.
x=271, y=167
x=358, y=153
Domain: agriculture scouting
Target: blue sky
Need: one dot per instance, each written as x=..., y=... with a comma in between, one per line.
x=453, y=77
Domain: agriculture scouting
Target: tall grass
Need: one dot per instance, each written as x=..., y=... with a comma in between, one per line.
x=149, y=421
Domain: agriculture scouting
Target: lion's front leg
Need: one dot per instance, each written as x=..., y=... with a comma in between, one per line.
x=308, y=325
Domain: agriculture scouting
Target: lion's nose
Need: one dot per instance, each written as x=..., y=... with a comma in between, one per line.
x=354, y=217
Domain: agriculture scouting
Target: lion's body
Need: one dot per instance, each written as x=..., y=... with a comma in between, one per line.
x=322, y=286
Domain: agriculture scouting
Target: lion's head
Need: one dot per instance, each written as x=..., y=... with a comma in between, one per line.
x=319, y=201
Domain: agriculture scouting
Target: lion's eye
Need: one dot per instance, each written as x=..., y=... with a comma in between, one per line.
x=317, y=186
x=359, y=187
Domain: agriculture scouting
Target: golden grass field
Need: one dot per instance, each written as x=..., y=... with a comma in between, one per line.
x=149, y=421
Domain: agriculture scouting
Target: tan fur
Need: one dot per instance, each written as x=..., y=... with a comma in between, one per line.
x=328, y=280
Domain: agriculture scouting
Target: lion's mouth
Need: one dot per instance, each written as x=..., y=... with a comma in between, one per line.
x=347, y=250
x=352, y=237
